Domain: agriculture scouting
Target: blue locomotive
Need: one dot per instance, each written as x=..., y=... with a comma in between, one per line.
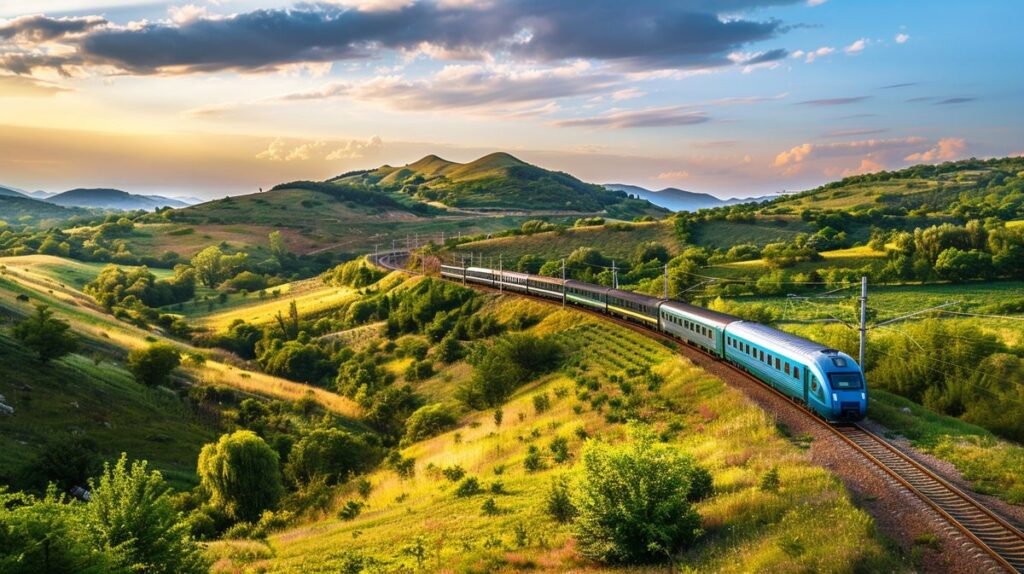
x=828, y=382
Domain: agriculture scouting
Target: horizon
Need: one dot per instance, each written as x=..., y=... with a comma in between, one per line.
x=737, y=99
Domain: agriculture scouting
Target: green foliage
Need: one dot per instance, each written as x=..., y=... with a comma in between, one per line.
x=115, y=287
x=241, y=473
x=632, y=501
x=532, y=462
x=332, y=454
x=449, y=350
x=47, y=336
x=305, y=362
x=453, y=473
x=428, y=421
x=469, y=486
x=770, y=481
x=490, y=507
x=153, y=365
x=356, y=273
x=512, y=361
x=558, y=500
x=131, y=516
x=650, y=251
x=350, y=510
x=213, y=266
x=559, y=448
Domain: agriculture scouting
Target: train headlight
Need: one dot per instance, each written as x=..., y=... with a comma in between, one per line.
x=863, y=396
x=835, y=399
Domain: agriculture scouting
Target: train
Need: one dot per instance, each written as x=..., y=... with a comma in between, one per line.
x=825, y=381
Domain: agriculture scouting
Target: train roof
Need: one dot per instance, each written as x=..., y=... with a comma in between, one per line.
x=515, y=274
x=480, y=269
x=722, y=319
x=587, y=286
x=635, y=297
x=779, y=339
x=546, y=279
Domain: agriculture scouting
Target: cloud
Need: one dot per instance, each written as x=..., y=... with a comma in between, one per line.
x=857, y=46
x=813, y=3
x=39, y=28
x=811, y=55
x=853, y=132
x=354, y=149
x=628, y=94
x=902, y=85
x=187, y=13
x=644, y=118
x=946, y=149
x=902, y=38
x=806, y=151
x=833, y=101
x=961, y=100
x=22, y=87
x=281, y=150
x=673, y=175
x=639, y=35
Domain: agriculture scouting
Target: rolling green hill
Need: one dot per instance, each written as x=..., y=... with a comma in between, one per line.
x=495, y=181
x=22, y=210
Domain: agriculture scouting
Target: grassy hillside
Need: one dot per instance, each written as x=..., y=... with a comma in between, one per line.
x=747, y=528
x=104, y=331
x=25, y=210
x=100, y=401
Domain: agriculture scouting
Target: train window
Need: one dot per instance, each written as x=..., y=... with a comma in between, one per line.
x=839, y=361
x=796, y=372
x=787, y=368
x=844, y=381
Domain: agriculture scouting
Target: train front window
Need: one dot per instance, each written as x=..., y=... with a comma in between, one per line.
x=845, y=381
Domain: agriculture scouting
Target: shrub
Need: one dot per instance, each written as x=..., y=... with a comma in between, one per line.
x=532, y=462
x=541, y=403
x=153, y=365
x=490, y=507
x=511, y=362
x=453, y=473
x=47, y=336
x=559, y=449
x=557, y=500
x=644, y=523
x=363, y=487
x=350, y=510
x=240, y=471
x=701, y=484
x=468, y=487
x=770, y=480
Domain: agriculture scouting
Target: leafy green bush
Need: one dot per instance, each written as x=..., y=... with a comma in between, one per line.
x=652, y=519
x=241, y=473
x=428, y=421
x=47, y=336
x=333, y=454
x=468, y=487
x=558, y=501
x=153, y=365
x=512, y=361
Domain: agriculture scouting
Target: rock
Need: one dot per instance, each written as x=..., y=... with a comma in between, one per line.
x=6, y=409
x=906, y=410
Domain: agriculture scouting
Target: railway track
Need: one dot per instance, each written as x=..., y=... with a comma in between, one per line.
x=995, y=536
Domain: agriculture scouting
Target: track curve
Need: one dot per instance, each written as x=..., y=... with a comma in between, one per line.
x=1002, y=541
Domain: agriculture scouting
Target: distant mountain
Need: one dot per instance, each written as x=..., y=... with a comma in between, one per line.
x=41, y=194
x=495, y=181
x=10, y=192
x=682, y=200
x=112, y=199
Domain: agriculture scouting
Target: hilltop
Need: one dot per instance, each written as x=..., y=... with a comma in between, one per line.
x=495, y=181
x=16, y=208
x=112, y=199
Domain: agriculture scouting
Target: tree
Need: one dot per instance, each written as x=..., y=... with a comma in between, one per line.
x=631, y=501
x=511, y=362
x=428, y=421
x=277, y=247
x=46, y=335
x=152, y=366
x=650, y=251
x=209, y=265
x=131, y=514
x=241, y=473
x=331, y=454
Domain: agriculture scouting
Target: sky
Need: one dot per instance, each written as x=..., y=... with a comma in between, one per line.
x=210, y=98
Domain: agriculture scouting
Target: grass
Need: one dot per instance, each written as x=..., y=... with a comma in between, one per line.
x=609, y=241
x=103, y=331
x=102, y=402
x=725, y=234
x=993, y=466
x=68, y=271
x=747, y=529
x=312, y=297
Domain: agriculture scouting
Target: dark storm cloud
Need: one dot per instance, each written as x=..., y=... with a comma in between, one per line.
x=642, y=34
x=39, y=28
x=833, y=101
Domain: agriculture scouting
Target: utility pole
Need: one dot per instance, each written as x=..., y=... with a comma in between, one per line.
x=863, y=319
x=392, y=244
x=464, y=269
x=615, y=276
x=665, y=290
x=376, y=255
x=563, y=282
x=501, y=275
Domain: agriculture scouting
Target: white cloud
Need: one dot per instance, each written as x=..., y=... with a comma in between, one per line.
x=673, y=175
x=187, y=13
x=902, y=38
x=815, y=54
x=628, y=94
x=945, y=149
x=803, y=152
x=813, y=3
x=857, y=46
x=356, y=148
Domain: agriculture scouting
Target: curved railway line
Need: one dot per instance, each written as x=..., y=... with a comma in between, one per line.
x=997, y=537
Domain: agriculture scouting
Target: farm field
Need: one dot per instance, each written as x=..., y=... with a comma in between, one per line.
x=694, y=412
